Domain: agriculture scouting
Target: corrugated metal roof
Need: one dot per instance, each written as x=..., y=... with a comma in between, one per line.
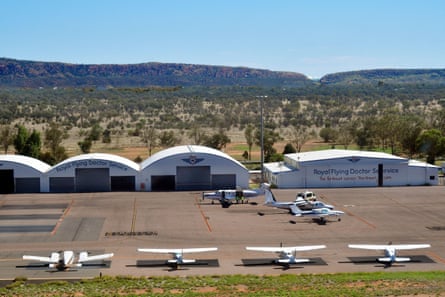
x=338, y=154
x=185, y=149
x=26, y=161
x=101, y=156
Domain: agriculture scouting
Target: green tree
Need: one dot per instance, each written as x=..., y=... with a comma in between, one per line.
x=6, y=137
x=299, y=135
x=328, y=134
x=106, y=136
x=20, y=139
x=27, y=144
x=85, y=145
x=269, y=139
x=54, y=136
x=95, y=132
x=33, y=145
x=431, y=143
x=289, y=149
x=217, y=141
x=168, y=139
x=149, y=138
x=411, y=126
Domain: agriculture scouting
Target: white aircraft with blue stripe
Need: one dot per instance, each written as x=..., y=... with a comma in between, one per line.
x=287, y=255
x=319, y=214
x=64, y=260
x=390, y=251
x=178, y=254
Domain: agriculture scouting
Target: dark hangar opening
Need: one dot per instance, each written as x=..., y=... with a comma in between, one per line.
x=7, y=181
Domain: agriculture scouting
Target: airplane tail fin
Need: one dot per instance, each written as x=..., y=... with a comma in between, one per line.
x=83, y=256
x=54, y=257
x=269, y=197
x=262, y=189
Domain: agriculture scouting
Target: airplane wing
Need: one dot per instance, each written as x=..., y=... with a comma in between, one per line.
x=41, y=259
x=83, y=257
x=286, y=249
x=386, y=246
x=178, y=251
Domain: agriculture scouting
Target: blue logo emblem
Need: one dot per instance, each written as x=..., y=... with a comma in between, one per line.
x=354, y=159
x=192, y=160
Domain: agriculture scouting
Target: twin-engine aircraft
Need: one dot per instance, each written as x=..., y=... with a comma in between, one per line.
x=178, y=254
x=228, y=197
x=390, y=251
x=319, y=214
x=287, y=255
x=64, y=260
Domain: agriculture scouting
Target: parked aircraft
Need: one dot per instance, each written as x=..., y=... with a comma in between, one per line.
x=64, y=260
x=319, y=214
x=227, y=197
x=178, y=254
x=390, y=251
x=287, y=255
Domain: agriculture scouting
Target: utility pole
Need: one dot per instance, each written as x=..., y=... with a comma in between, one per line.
x=262, y=135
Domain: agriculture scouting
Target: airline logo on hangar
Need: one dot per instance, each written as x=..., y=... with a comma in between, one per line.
x=354, y=159
x=192, y=160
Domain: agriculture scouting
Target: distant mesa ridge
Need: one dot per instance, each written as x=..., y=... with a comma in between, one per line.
x=34, y=74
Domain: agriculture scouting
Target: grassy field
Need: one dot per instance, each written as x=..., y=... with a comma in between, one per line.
x=342, y=284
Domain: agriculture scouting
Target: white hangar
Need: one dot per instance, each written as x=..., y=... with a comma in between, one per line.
x=348, y=168
x=21, y=174
x=92, y=173
x=192, y=167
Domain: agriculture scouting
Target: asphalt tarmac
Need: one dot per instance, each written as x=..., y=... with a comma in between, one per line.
x=121, y=222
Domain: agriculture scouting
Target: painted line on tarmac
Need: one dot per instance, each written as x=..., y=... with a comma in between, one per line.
x=360, y=219
x=436, y=257
x=203, y=215
x=133, y=221
x=65, y=213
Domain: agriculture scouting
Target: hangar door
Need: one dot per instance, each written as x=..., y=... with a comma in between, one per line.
x=27, y=185
x=61, y=184
x=6, y=181
x=93, y=180
x=193, y=178
x=223, y=181
x=123, y=183
x=162, y=182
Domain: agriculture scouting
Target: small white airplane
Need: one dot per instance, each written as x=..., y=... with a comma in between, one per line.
x=64, y=260
x=178, y=254
x=287, y=255
x=319, y=214
x=227, y=197
x=390, y=251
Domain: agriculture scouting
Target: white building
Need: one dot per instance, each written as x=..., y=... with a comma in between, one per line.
x=21, y=174
x=93, y=173
x=192, y=167
x=348, y=168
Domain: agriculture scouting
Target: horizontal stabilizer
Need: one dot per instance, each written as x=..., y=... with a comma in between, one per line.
x=292, y=261
x=183, y=261
x=397, y=259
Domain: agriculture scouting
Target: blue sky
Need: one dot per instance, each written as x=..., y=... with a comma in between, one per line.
x=310, y=37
